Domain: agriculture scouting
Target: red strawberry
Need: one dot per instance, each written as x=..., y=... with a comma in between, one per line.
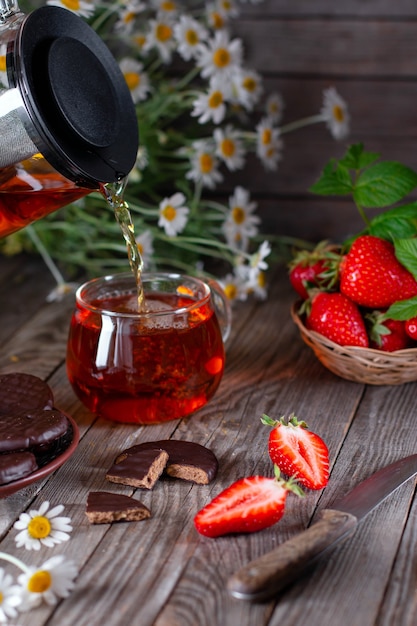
x=372, y=276
x=411, y=327
x=386, y=334
x=336, y=317
x=316, y=268
x=298, y=452
x=248, y=505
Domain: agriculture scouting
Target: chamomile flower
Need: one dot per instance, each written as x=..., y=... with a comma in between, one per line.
x=240, y=224
x=189, y=35
x=258, y=286
x=257, y=261
x=247, y=87
x=228, y=8
x=204, y=165
x=161, y=37
x=173, y=214
x=42, y=527
x=215, y=18
x=220, y=56
x=144, y=242
x=234, y=287
x=10, y=597
x=274, y=107
x=335, y=113
x=211, y=105
x=166, y=8
x=229, y=147
x=51, y=581
x=3, y=66
x=80, y=7
x=127, y=16
x=269, y=144
x=137, y=80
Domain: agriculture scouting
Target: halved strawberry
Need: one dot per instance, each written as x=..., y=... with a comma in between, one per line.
x=248, y=505
x=298, y=452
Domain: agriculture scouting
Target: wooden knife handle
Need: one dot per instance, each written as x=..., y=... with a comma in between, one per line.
x=264, y=577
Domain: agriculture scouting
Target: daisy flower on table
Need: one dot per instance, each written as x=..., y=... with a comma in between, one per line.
x=189, y=34
x=173, y=214
x=204, y=165
x=137, y=80
x=10, y=597
x=274, y=107
x=54, y=579
x=42, y=527
x=80, y=7
x=335, y=113
x=229, y=147
x=161, y=37
x=220, y=56
x=247, y=87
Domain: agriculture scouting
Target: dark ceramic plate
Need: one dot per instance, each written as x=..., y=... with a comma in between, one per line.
x=45, y=470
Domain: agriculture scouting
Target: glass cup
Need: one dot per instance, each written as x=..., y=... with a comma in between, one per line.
x=146, y=367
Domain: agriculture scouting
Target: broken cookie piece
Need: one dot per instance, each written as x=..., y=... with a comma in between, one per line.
x=104, y=508
x=141, y=469
x=187, y=460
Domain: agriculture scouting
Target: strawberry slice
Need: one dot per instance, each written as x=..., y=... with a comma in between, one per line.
x=248, y=505
x=298, y=452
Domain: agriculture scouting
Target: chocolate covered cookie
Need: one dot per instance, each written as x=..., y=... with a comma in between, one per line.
x=104, y=508
x=140, y=470
x=16, y=465
x=186, y=459
x=23, y=392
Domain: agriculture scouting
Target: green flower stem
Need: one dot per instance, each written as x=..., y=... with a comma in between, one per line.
x=306, y=121
x=15, y=561
x=45, y=255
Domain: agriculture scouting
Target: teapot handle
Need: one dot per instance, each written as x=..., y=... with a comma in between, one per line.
x=222, y=307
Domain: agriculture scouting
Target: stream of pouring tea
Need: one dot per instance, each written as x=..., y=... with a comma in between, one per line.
x=113, y=193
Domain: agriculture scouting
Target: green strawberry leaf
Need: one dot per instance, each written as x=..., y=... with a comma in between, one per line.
x=356, y=158
x=383, y=184
x=406, y=253
x=402, y=310
x=397, y=223
x=335, y=180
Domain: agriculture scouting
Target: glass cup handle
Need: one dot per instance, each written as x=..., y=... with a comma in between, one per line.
x=222, y=307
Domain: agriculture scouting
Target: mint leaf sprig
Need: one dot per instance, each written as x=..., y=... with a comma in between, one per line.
x=373, y=183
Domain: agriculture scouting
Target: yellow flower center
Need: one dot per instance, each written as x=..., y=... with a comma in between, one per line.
x=221, y=57
x=217, y=20
x=73, y=5
x=132, y=79
x=1, y=598
x=226, y=5
x=39, y=527
x=191, y=37
x=206, y=163
x=169, y=212
x=129, y=17
x=228, y=147
x=249, y=84
x=338, y=113
x=140, y=40
x=2, y=63
x=163, y=32
x=168, y=6
x=261, y=279
x=230, y=291
x=40, y=581
x=238, y=215
x=215, y=100
x=266, y=136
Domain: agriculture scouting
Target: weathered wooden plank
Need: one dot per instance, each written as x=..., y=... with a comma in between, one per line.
x=352, y=9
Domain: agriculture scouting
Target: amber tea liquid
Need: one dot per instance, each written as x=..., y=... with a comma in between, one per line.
x=145, y=369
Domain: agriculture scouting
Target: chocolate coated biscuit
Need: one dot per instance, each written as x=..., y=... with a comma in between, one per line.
x=187, y=460
x=138, y=470
x=34, y=431
x=16, y=465
x=23, y=392
x=104, y=508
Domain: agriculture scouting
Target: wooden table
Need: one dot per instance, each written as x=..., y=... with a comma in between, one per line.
x=160, y=571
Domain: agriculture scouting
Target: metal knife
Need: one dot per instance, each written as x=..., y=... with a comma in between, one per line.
x=262, y=578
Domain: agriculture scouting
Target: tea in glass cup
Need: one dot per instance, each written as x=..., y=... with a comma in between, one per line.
x=157, y=364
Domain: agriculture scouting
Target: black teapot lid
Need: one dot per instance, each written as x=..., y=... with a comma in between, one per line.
x=81, y=113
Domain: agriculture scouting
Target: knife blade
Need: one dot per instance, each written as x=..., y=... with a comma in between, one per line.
x=264, y=577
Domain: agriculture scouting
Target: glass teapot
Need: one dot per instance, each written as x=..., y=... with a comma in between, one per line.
x=67, y=120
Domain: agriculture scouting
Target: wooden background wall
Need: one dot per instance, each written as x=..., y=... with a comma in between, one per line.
x=366, y=49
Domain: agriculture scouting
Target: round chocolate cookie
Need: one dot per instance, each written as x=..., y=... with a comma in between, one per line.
x=23, y=392
x=186, y=459
x=16, y=465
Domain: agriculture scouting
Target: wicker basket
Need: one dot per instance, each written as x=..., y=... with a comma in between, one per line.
x=361, y=365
